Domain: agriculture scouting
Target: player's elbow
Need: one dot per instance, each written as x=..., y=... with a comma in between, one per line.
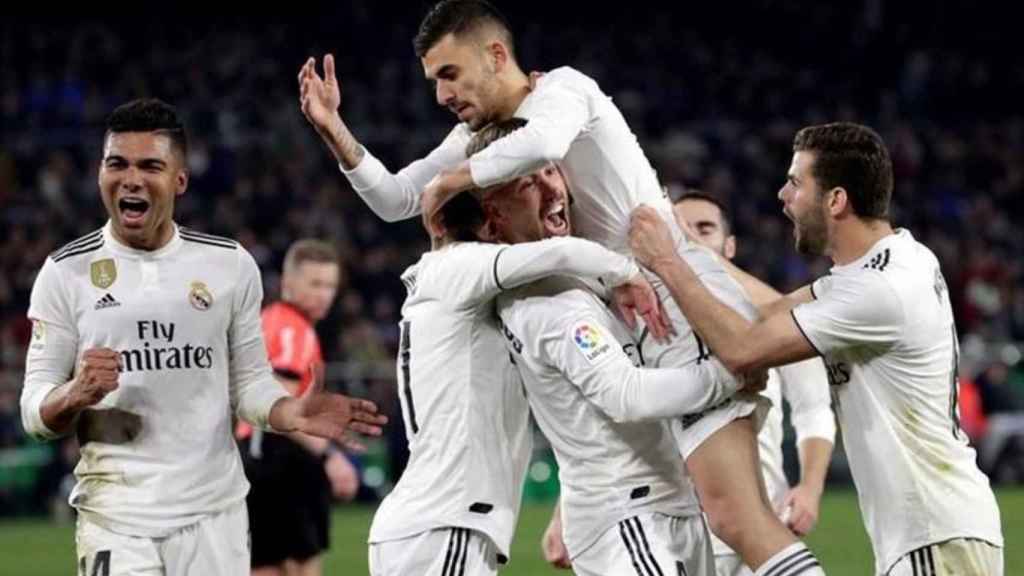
x=741, y=361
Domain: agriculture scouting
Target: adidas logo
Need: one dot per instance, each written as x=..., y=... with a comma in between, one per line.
x=106, y=302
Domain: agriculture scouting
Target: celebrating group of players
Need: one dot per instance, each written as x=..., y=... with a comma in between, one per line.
x=559, y=283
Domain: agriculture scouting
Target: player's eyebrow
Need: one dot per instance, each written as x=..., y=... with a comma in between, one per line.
x=446, y=71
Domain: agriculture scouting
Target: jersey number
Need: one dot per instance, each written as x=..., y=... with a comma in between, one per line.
x=100, y=564
x=405, y=352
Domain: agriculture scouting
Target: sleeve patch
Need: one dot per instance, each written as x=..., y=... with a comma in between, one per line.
x=38, y=343
x=591, y=340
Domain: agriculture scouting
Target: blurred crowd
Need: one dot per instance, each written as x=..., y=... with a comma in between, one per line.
x=714, y=97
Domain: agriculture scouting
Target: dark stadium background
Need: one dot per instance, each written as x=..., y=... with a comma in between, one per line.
x=714, y=91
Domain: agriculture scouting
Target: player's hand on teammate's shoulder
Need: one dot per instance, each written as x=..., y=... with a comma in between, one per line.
x=96, y=376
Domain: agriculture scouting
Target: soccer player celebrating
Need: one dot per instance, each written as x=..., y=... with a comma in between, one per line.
x=627, y=504
x=804, y=386
x=146, y=340
x=468, y=51
x=883, y=323
x=453, y=511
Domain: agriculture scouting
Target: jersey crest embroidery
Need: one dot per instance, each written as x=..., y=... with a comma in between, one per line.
x=103, y=273
x=200, y=297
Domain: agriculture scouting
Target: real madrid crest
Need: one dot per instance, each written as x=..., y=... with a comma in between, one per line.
x=103, y=273
x=200, y=296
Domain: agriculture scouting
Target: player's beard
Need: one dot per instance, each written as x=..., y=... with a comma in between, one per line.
x=812, y=231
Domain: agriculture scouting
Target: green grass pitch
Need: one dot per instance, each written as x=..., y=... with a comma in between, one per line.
x=40, y=548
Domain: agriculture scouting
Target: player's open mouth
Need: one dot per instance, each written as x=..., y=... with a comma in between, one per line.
x=556, y=221
x=133, y=210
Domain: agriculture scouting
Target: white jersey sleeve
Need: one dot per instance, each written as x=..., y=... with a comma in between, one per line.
x=52, y=352
x=396, y=196
x=855, y=310
x=589, y=357
x=252, y=386
x=556, y=113
x=805, y=387
x=490, y=268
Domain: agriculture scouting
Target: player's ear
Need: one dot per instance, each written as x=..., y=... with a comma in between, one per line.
x=837, y=201
x=180, y=182
x=498, y=56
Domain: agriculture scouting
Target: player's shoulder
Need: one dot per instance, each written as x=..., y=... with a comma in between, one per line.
x=79, y=247
x=218, y=251
x=204, y=241
x=898, y=262
x=550, y=301
x=567, y=74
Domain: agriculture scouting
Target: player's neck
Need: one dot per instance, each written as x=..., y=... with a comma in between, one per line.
x=516, y=88
x=853, y=239
x=160, y=238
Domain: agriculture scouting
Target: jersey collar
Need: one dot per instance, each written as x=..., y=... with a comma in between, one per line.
x=109, y=240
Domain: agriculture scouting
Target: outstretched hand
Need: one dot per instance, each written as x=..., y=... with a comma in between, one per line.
x=319, y=97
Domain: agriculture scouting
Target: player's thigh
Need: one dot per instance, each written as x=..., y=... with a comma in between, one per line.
x=104, y=553
x=731, y=565
x=650, y=544
x=957, y=557
x=442, y=552
x=217, y=544
x=725, y=466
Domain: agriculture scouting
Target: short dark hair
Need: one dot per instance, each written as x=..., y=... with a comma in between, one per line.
x=459, y=17
x=699, y=195
x=149, y=115
x=854, y=157
x=309, y=250
x=463, y=216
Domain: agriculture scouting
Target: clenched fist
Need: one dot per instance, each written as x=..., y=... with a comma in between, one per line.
x=96, y=377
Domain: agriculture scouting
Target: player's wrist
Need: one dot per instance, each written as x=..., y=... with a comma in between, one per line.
x=284, y=416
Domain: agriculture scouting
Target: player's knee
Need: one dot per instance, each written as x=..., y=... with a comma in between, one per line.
x=725, y=518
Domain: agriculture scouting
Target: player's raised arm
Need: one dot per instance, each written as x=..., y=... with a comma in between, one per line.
x=392, y=196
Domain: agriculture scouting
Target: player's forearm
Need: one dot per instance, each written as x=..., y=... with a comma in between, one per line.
x=342, y=144
x=724, y=329
x=256, y=402
x=643, y=394
x=760, y=293
x=524, y=263
x=57, y=411
x=815, y=454
x=283, y=416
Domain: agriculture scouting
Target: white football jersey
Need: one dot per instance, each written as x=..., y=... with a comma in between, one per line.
x=463, y=404
x=604, y=416
x=571, y=122
x=157, y=453
x=884, y=326
x=804, y=386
